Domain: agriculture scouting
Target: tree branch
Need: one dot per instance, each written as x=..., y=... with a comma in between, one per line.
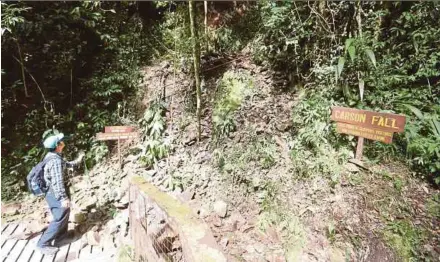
x=35, y=81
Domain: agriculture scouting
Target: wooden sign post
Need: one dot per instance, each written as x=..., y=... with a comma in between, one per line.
x=367, y=124
x=117, y=133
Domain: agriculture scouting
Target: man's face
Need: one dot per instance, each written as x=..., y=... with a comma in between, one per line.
x=60, y=147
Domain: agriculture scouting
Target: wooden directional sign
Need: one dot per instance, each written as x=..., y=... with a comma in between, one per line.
x=367, y=124
x=369, y=133
x=116, y=136
x=118, y=129
x=369, y=119
x=117, y=133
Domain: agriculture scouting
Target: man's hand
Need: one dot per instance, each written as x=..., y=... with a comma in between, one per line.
x=65, y=203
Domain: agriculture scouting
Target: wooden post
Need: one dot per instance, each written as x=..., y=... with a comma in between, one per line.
x=119, y=153
x=359, y=148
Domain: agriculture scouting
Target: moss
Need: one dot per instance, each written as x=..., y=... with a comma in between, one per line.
x=125, y=254
x=195, y=232
x=404, y=239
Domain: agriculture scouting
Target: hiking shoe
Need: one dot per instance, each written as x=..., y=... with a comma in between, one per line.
x=48, y=250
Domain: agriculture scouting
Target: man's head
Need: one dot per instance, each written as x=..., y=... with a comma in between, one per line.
x=54, y=143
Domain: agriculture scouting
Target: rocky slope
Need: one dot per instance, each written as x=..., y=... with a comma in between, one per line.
x=243, y=186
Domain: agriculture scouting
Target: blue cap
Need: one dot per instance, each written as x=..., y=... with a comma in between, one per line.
x=52, y=141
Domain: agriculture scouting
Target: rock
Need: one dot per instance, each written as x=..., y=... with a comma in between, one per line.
x=203, y=212
x=116, y=194
x=88, y=203
x=93, y=238
x=276, y=256
x=123, y=203
x=234, y=222
x=337, y=255
x=132, y=158
x=77, y=217
x=122, y=217
x=351, y=168
x=203, y=157
x=252, y=257
x=188, y=194
x=216, y=221
x=221, y=208
x=10, y=209
x=124, y=229
x=150, y=173
x=111, y=228
x=224, y=242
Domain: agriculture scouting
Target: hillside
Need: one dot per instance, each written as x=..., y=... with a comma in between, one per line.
x=243, y=186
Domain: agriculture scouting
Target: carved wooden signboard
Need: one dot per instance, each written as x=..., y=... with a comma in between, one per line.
x=367, y=124
x=118, y=129
x=117, y=133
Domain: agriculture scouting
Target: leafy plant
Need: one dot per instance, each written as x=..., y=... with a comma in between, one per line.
x=152, y=126
x=233, y=88
x=423, y=140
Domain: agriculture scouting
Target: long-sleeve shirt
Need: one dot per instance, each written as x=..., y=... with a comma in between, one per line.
x=54, y=175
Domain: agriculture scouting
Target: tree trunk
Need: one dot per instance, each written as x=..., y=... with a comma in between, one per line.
x=22, y=69
x=196, y=57
x=206, y=27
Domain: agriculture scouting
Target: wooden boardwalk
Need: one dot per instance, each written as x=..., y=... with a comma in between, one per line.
x=15, y=250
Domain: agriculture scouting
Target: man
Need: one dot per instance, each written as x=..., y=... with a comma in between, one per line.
x=56, y=196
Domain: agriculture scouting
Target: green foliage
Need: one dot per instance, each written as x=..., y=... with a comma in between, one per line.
x=423, y=139
x=152, y=126
x=433, y=206
x=176, y=36
x=388, y=60
x=293, y=233
x=233, y=88
x=315, y=147
x=11, y=16
x=404, y=238
x=84, y=58
x=235, y=162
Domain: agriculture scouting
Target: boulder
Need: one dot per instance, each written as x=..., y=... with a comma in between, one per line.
x=93, y=238
x=10, y=209
x=221, y=208
x=352, y=168
x=77, y=217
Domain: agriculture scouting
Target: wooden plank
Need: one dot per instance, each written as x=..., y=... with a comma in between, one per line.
x=96, y=250
x=36, y=254
x=116, y=136
x=28, y=250
x=369, y=119
x=48, y=258
x=8, y=232
x=74, y=250
x=369, y=133
x=9, y=245
x=85, y=252
x=62, y=254
x=118, y=129
x=104, y=257
x=4, y=227
x=17, y=250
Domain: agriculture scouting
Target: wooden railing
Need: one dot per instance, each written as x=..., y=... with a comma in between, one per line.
x=165, y=229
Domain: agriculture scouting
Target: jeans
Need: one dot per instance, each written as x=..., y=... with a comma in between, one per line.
x=58, y=226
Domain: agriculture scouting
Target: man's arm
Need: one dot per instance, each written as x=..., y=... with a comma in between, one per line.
x=76, y=162
x=56, y=173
